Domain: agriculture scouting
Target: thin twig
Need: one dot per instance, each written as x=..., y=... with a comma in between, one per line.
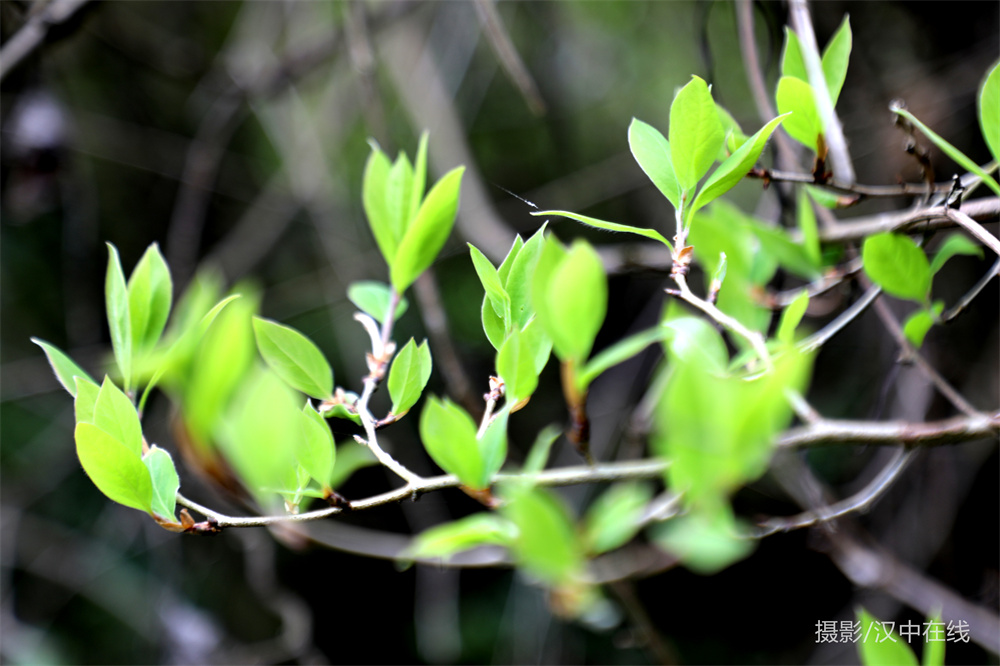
x=503, y=48
x=974, y=228
x=820, y=337
x=874, y=191
x=31, y=35
x=931, y=218
x=955, y=430
x=964, y=302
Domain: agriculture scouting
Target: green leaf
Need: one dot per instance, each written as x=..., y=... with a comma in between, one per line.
x=150, y=293
x=609, y=226
x=516, y=366
x=955, y=243
x=806, y=218
x=373, y=191
x=920, y=322
x=792, y=316
x=492, y=446
x=119, y=322
x=835, y=59
x=989, y=110
x=419, y=177
x=373, y=299
x=620, y=352
x=706, y=542
x=933, y=649
x=294, y=357
x=398, y=195
x=795, y=96
x=879, y=647
x=538, y=456
x=895, y=263
x=508, y=261
x=576, y=302
x=693, y=340
x=734, y=133
x=316, y=451
x=164, y=479
x=115, y=414
x=695, y=133
x=652, y=152
x=951, y=151
x=490, y=280
x=614, y=518
x=408, y=376
x=493, y=325
x=518, y=276
x=546, y=545
x=538, y=343
x=86, y=400
x=63, y=366
x=445, y=540
x=117, y=471
x=779, y=246
x=428, y=231
x=792, y=63
x=449, y=436
x=736, y=166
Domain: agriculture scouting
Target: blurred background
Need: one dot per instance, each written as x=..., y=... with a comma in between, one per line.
x=234, y=134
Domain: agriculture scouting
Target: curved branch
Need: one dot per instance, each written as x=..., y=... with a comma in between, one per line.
x=933, y=218
x=955, y=430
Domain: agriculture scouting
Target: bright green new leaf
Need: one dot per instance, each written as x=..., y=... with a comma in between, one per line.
x=294, y=357
x=164, y=479
x=373, y=199
x=150, y=293
x=693, y=340
x=516, y=366
x=408, y=376
x=315, y=450
x=494, y=327
x=620, y=352
x=778, y=245
x=835, y=59
x=445, y=540
x=895, y=263
x=734, y=133
x=695, y=133
x=115, y=414
x=881, y=647
x=117, y=471
x=449, y=436
x=538, y=456
x=63, y=366
x=492, y=284
x=955, y=243
x=538, y=343
x=933, y=649
x=608, y=226
x=792, y=63
x=706, y=542
x=920, y=322
x=989, y=110
x=806, y=218
x=576, y=302
x=517, y=276
x=398, y=195
x=792, y=316
x=419, y=177
x=652, y=152
x=119, y=321
x=795, y=96
x=373, y=299
x=428, y=231
x=546, y=545
x=492, y=446
x=614, y=517
x=515, y=249
x=86, y=400
x=735, y=167
x=951, y=151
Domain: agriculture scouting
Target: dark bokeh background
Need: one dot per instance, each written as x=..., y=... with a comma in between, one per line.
x=234, y=134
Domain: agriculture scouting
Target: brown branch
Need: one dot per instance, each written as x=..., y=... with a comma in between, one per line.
x=955, y=430
x=863, y=191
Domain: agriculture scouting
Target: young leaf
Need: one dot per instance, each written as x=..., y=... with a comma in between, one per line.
x=117, y=471
x=955, y=243
x=504, y=270
x=373, y=298
x=63, y=366
x=316, y=451
x=493, y=447
x=792, y=63
x=652, y=151
x=294, y=357
x=488, y=276
x=989, y=110
x=735, y=167
x=164, y=479
x=516, y=366
x=620, y=352
x=408, y=376
x=895, y=263
x=882, y=647
x=150, y=292
x=398, y=195
x=546, y=545
x=518, y=275
x=609, y=226
x=791, y=316
x=419, y=177
x=494, y=327
x=86, y=400
x=449, y=436
x=445, y=540
x=115, y=414
x=706, y=542
x=806, y=218
x=613, y=519
x=693, y=340
x=920, y=322
x=795, y=96
x=373, y=191
x=538, y=343
x=951, y=151
x=778, y=246
x=119, y=321
x=695, y=133
x=835, y=58
x=427, y=232
x=576, y=302
x=538, y=456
